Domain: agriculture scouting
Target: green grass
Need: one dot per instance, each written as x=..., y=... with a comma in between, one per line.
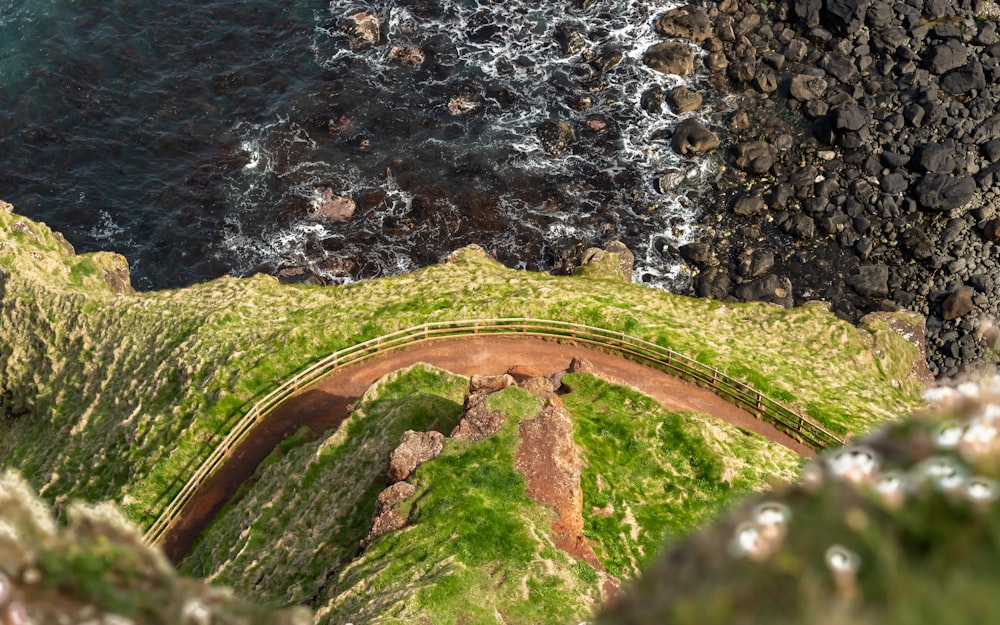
x=652, y=475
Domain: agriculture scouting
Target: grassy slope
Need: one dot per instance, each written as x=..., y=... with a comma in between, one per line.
x=122, y=394
x=478, y=546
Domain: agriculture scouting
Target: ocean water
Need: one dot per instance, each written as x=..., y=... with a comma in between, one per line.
x=191, y=137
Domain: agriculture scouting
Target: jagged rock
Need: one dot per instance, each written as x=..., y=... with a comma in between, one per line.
x=845, y=17
x=683, y=100
x=570, y=39
x=742, y=62
x=849, y=117
x=957, y=304
x=478, y=420
x=945, y=57
x=556, y=136
x=945, y=192
x=800, y=226
x=670, y=57
x=687, y=22
x=691, y=137
x=755, y=157
x=805, y=87
x=652, y=100
x=871, y=281
x=327, y=206
x=386, y=519
x=414, y=449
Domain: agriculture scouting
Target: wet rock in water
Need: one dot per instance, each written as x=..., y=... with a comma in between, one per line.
x=408, y=55
x=325, y=205
x=945, y=192
x=755, y=157
x=414, y=449
x=461, y=104
x=870, y=281
x=683, y=100
x=957, y=304
x=571, y=41
x=652, y=100
x=691, y=137
x=670, y=57
x=686, y=22
x=770, y=288
x=363, y=28
x=556, y=136
x=804, y=87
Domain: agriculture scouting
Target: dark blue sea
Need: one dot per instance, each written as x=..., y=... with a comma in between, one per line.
x=196, y=137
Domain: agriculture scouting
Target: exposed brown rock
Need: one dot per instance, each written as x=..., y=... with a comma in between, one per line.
x=327, y=206
x=490, y=383
x=386, y=519
x=478, y=420
x=414, y=449
x=670, y=57
x=550, y=463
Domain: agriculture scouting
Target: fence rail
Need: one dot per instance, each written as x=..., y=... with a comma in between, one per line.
x=799, y=427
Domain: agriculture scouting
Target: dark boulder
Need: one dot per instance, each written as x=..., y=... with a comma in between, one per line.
x=691, y=137
x=670, y=57
x=991, y=230
x=957, y=304
x=991, y=150
x=808, y=11
x=713, y=282
x=870, y=281
x=849, y=117
x=755, y=157
x=683, y=100
x=687, y=22
x=945, y=57
x=988, y=130
x=805, y=87
x=945, y=192
x=937, y=158
x=800, y=226
x=755, y=263
x=749, y=204
x=697, y=253
x=893, y=183
x=964, y=79
x=769, y=288
x=652, y=100
x=845, y=17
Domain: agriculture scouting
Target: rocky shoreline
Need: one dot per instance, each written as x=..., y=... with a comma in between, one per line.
x=860, y=160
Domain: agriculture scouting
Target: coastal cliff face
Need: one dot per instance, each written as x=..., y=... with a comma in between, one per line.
x=109, y=394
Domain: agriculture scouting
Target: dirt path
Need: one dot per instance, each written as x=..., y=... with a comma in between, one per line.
x=325, y=406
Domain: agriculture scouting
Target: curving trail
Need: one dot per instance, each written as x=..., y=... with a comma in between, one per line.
x=325, y=405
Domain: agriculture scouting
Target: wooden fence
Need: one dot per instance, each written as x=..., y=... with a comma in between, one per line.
x=798, y=426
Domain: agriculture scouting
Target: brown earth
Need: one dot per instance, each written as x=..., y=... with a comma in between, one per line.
x=326, y=405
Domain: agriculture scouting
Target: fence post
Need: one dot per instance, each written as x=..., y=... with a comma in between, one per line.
x=758, y=403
